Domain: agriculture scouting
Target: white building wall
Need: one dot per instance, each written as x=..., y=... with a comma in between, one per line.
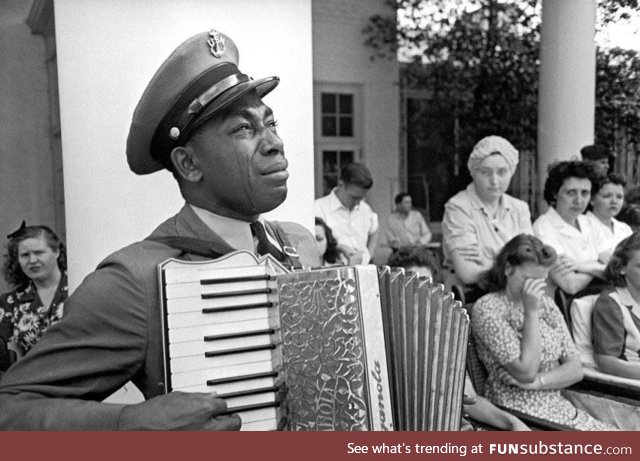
x=26, y=172
x=340, y=56
x=108, y=51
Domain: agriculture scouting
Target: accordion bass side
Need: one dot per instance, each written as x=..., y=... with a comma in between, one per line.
x=355, y=348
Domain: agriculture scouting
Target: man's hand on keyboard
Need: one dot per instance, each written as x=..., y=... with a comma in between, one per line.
x=179, y=411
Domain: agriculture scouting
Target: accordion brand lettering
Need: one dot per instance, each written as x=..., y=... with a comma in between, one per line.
x=376, y=372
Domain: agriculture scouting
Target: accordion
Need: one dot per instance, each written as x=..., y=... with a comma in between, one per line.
x=336, y=348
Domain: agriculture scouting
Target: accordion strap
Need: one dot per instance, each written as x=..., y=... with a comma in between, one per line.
x=215, y=248
x=290, y=252
x=194, y=246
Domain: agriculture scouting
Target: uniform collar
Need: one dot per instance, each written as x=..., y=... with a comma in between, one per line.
x=233, y=231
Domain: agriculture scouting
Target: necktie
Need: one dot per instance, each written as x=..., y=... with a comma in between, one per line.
x=264, y=245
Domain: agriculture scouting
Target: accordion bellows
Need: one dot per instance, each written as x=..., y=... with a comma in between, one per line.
x=339, y=348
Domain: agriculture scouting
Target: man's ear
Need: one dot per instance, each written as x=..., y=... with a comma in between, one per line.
x=185, y=164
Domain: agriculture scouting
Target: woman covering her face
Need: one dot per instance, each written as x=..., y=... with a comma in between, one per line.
x=522, y=338
x=35, y=265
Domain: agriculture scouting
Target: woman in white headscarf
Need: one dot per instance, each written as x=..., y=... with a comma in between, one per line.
x=480, y=219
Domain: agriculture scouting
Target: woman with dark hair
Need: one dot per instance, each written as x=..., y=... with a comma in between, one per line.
x=607, y=198
x=522, y=338
x=35, y=264
x=579, y=242
x=330, y=254
x=615, y=325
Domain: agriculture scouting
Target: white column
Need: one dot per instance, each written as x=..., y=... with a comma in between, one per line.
x=566, y=98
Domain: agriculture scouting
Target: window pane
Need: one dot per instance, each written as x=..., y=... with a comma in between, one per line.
x=346, y=157
x=328, y=103
x=329, y=126
x=329, y=161
x=346, y=103
x=346, y=126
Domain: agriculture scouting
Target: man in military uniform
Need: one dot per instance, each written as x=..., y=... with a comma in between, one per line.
x=597, y=156
x=205, y=121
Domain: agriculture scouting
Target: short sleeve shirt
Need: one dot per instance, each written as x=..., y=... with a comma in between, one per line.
x=467, y=222
x=609, y=334
x=350, y=227
x=582, y=245
x=615, y=234
x=409, y=230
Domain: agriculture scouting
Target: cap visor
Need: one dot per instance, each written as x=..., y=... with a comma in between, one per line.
x=262, y=87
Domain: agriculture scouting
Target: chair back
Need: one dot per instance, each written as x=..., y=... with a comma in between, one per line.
x=477, y=372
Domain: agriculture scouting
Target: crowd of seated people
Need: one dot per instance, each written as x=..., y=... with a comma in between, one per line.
x=513, y=269
x=488, y=243
x=523, y=340
x=616, y=315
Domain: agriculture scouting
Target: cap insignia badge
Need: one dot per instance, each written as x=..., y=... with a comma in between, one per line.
x=174, y=133
x=216, y=43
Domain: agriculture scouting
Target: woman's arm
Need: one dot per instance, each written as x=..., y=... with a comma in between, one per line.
x=486, y=412
x=525, y=368
x=564, y=274
x=372, y=243
x=618, y=367
x=593, y=268
x=569, y=372
x=13, y=346
x=468, y=265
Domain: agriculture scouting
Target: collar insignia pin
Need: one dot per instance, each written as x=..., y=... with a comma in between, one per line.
x=216, y=43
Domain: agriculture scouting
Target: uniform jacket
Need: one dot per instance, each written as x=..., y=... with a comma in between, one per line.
x=110, y=334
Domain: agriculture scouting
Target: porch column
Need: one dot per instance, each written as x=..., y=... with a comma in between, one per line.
x=566, y=95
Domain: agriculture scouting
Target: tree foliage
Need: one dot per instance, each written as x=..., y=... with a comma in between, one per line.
x=479, y=62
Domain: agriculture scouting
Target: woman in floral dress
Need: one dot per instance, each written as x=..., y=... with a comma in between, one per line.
x=35, y=265
x=522, y=338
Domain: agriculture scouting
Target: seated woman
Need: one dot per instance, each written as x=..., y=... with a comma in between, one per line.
x=522, y=338
x=578, y=241
x=630, y=213
x=479, y=220
x=330, y=254
x=35, y=265
x=607, y=197
x=615, y=325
